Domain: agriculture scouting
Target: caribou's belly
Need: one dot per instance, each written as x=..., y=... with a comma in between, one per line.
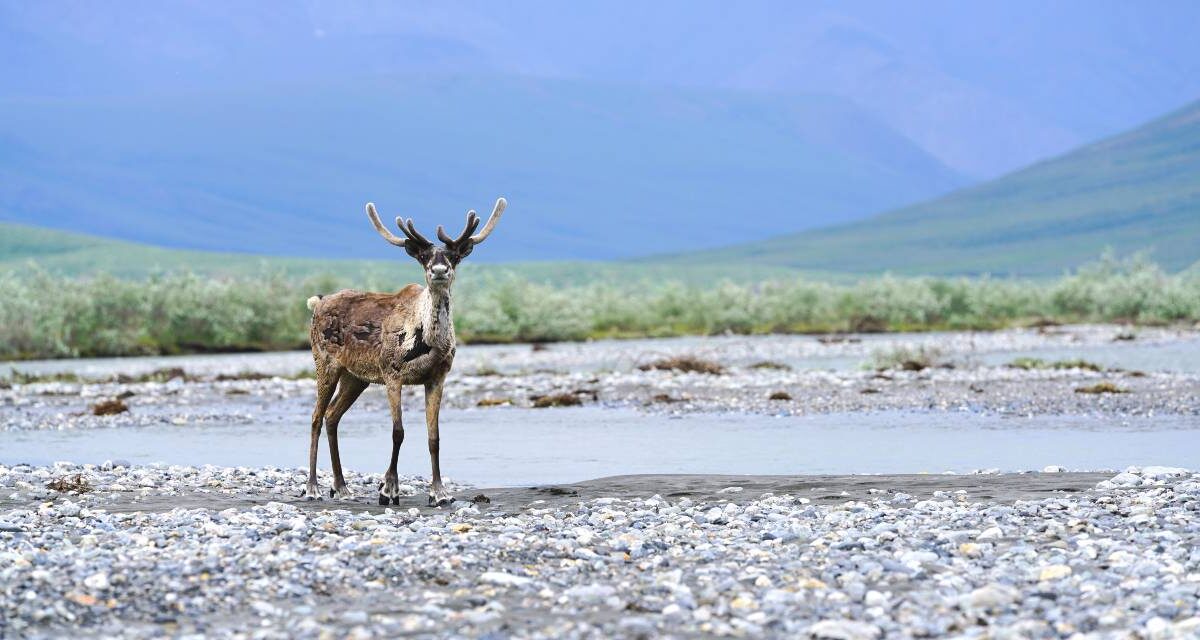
x=366, y=372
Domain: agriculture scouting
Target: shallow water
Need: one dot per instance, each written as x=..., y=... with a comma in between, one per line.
x=519, y=447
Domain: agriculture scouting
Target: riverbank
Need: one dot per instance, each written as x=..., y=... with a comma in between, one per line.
x=184, y=313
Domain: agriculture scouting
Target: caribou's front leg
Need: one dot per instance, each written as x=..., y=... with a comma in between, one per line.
x=438, y=496
x=389, y=491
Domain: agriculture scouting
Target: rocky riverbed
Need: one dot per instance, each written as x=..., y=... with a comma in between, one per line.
x=982, y=373
x=144, y=550
x=229, y=552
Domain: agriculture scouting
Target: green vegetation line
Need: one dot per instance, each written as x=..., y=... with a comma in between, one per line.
x=48, y=316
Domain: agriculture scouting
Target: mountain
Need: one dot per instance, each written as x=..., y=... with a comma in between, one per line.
x=984, y=87
x=1138, y=191
x=591, y=171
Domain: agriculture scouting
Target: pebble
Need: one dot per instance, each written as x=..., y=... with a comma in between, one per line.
x=991, y=597
x=1054, y=572
x=504, y=579
x=96, y=581
x=844, y=630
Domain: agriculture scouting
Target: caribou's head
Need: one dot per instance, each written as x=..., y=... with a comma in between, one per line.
x=439, y=262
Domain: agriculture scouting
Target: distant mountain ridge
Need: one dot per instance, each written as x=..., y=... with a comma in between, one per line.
x=591, y=171
x=986, y=87
x=1137, y=191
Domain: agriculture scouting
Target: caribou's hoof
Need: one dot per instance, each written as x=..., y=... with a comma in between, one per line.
x=440, y=501
x=389, y=491
x=311, y=493
x=341, y=493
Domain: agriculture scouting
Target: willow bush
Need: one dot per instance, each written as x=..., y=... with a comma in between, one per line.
x=44, y=315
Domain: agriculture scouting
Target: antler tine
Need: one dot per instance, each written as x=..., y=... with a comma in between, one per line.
x=498, y=211
x=472, y=224
x=387, y=235
x=410, y=230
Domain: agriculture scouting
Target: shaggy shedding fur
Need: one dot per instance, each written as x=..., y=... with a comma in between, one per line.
x=394, y=339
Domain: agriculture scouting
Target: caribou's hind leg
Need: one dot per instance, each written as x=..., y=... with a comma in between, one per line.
x=327, y=378
x=349, y=388
x=389, y=490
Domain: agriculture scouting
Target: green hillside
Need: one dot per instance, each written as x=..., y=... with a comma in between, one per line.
x=1136, y=191
x=73, y=254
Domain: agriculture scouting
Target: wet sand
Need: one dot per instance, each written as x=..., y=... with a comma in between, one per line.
x=717, y=489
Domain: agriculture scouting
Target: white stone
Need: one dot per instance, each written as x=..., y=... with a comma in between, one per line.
x=1162, y=473
x=96, y=581
x=844, y=630
x=590, y=593
x=990, y=596
x=991, y=533
x=1125, y=479
x=504, y=579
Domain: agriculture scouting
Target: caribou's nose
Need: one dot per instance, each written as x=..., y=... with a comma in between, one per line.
x=439, y=270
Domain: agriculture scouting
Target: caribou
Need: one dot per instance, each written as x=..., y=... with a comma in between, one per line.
x=394, y=339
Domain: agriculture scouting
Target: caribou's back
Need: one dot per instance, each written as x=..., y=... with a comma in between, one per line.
x=362, y=331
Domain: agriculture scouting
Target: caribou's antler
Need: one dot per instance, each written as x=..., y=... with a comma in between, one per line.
x=387, y=235
x=410, y=230
x=461, y=242
x=491, y=223
x=472, y=224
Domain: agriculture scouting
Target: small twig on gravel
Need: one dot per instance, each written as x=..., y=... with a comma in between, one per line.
x=686, y=364
x=109, y=407
x=1101, y=387
x=70, y=484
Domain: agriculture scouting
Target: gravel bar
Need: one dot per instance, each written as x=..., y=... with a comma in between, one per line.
x=982, y=389
x=230, y=552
